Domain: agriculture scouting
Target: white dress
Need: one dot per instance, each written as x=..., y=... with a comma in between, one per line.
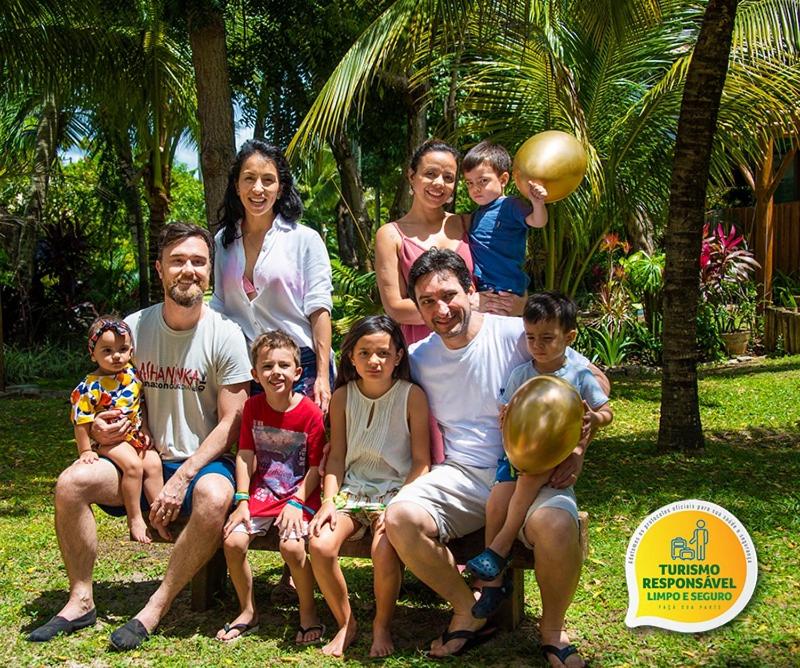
x=378, y=446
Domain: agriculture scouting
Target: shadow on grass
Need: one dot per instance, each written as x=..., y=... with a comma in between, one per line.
x=751, y=471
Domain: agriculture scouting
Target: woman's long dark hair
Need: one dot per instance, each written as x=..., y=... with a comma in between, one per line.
x=372, y=324
x=289, y=205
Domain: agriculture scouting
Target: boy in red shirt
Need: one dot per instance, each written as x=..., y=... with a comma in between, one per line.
x=277, y=482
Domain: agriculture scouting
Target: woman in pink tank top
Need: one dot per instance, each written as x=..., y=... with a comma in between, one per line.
x=432, y=175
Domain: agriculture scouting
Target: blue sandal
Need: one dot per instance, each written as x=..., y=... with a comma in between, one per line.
x=488, y=564
x=492, y=598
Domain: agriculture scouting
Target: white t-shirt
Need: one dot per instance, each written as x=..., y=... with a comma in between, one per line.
x=464, y=386
x=292, y=278
x=182, y=373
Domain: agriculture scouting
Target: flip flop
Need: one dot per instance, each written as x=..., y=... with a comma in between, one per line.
x=129, y=636
x=241, y=627
x=561, y=653
x=302, y=630
x=59, y=624
x=488, y=564
x=473, y=639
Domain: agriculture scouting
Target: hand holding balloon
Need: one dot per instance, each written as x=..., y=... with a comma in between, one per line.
x=554, y=159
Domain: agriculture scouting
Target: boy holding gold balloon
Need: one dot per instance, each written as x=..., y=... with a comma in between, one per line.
x=550, y=321
x=500, y=224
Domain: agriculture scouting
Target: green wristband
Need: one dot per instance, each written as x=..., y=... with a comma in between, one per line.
x=241, y=496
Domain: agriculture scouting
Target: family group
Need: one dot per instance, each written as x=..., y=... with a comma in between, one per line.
x=413, y=452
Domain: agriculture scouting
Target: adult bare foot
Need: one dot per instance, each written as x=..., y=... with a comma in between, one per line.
x=342, y=640
x=138, y=530
x=382, y=643
x=463, y=633
x=558, y=651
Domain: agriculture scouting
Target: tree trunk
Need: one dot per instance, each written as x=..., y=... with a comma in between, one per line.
x=764, y=184
x=158, y=203
x=416, y=133
x=354, y=212
x=214, y=108
x=45, y=154
x=135, y=220
x=680, y=426
x=262, y=108
x=345, y=235
x=764, y=223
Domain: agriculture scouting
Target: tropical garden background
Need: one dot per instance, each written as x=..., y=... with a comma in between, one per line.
x=101, y=96
x=105, y=105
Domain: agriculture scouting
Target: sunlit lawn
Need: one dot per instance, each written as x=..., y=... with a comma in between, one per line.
x=751, y=467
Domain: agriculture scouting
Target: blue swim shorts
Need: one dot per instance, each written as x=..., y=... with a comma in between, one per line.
x=224, y=466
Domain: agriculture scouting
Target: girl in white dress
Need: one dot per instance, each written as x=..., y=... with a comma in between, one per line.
x=379, y=442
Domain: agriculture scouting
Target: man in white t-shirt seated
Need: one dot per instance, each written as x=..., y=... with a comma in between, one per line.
x=462, y=367
x=195, y=371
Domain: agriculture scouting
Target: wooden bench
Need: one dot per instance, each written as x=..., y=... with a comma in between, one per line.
x=209, y=582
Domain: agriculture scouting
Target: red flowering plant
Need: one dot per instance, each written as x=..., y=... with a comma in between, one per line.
x=726, y=271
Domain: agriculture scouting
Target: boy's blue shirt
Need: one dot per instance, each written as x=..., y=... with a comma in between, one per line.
x=497, y=239
x=577, y=375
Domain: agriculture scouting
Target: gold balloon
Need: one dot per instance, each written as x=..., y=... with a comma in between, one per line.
x=542, y=424
x=554, y=158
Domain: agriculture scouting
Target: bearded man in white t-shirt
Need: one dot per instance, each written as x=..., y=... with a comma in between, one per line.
x=195, y=371
x=462, y=367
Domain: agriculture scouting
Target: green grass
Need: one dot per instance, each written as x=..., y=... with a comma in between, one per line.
x=750, y=466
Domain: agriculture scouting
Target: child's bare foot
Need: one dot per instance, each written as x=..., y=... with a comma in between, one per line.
x=382, y=644
x=138, y=530
x=342, y=640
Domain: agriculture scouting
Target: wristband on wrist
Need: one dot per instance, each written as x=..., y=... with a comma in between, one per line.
x=241, y=496
x=294, y=503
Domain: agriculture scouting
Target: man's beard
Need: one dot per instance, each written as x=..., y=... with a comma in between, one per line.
x=186, y=297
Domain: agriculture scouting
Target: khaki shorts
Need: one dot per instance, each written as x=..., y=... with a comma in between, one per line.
x=454, y=495
x=550, y=497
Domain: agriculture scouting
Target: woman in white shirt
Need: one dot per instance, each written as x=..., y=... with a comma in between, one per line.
x=271, y=272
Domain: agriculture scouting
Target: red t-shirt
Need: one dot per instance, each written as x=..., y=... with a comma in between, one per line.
x=286, y=445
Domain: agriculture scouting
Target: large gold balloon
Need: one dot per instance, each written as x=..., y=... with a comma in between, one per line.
x=542, y=424
x=554, y=158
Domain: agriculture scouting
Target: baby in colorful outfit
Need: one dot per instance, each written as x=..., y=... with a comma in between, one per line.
x=115, y=385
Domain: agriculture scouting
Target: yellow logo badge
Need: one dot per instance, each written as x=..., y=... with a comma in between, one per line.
x=691, y=566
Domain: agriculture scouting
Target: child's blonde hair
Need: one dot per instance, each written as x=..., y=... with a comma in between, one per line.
x=271, y=340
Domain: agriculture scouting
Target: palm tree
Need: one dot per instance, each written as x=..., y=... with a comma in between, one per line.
x=206, y=28
x=680, y=425
x=609, y=72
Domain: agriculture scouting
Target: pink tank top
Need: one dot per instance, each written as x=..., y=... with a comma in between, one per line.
x=410, y=250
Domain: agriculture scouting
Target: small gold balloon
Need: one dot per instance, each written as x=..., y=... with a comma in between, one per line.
x=554, y=158
x=542, y=424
